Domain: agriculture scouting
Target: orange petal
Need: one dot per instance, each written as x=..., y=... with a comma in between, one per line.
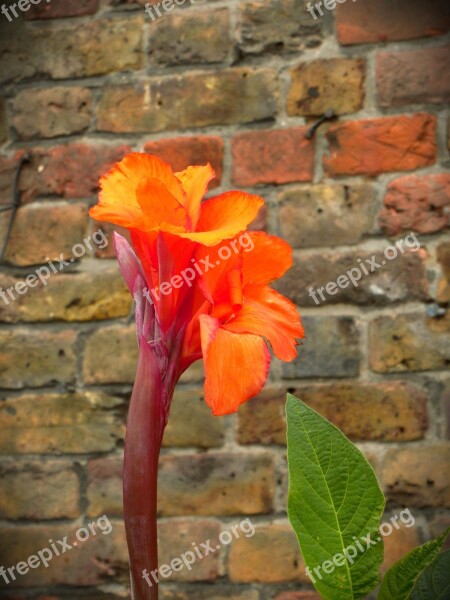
x=117, y=199
x=195, y=182
x=236, y=366
x=269, y=259
x=160, y=209
x=271, y=315
x=224, y=216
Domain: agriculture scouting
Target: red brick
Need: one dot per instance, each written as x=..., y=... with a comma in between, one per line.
x=384, y=20
x=413, y=76
x=187, y=100
x=274, y=156
x=41, y=232
x=375, y=146
x=35, y=490
x=37, y=358
x=418, y=203
x=182, y=152
x=56, y=170
x=58, y=10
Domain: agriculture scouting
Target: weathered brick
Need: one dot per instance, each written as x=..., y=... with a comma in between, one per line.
x=81, y=49
x=393, y=411
x=195, y=373
x=437, y=525
x=104, y=491
x=176, y=537
x=278, y=26
x=317, y=86
x=181, y=152
x=43, y=231
x=68, y=423
x=398, y=544
x=216, y=484
x=274, y=156
x=331, y=349
x=56, y=170
x=106, y=230
x=209, y=592
x=418, y=203
x=260, y=223
x=36, y=490
x=409, y=342
x=298, y=596
x=111, y=355
x=230, y=96
x=58, y=10
x=270, y=426
x=204, y=431
x=101, y=559
x=443, y=291
x=400, y=279
x=413, y=76
x=274, y=545
x=183, y=38
x=418, y=475
x=4, y=128
x=374, y=146
x=382, y=20
x=92, y=295
x=319, y=215
x=51, y=112
x=33, y=358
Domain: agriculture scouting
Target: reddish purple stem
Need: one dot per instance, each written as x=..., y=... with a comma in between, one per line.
x=145, y=428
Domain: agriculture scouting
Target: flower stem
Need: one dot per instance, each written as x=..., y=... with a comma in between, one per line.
x=145, y=429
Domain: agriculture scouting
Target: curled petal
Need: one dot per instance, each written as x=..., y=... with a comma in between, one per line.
x=195, y=182
x=236, y=366
x=224, y=216
x=271, y=315
x=268, y=260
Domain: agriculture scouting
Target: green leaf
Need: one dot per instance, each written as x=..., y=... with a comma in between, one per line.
x=400, y=581
x=434, y=583
x=334, y=502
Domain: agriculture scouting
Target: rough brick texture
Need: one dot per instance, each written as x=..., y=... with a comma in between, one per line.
x=238, y=84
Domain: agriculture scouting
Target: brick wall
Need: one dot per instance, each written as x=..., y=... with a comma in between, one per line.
x=235, y=83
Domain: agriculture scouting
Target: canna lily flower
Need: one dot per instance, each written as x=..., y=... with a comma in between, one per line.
x=221, y=310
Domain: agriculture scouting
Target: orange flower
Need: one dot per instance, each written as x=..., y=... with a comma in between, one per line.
x=223, y=312
x=229, y=312
x=244, y=313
